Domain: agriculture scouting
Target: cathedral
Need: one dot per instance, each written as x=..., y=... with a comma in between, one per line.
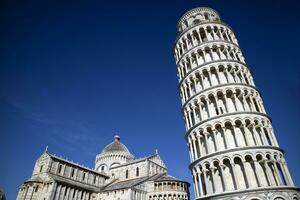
x=117, y=176
x=233, y=150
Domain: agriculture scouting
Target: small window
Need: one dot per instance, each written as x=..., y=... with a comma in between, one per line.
x=59, y=169
x=103, y=168
x=94, y=181
x=41, y=168
x=127, y=174
x=72, y=172
x=83, y=176
x=36, y=189
x=137, y=171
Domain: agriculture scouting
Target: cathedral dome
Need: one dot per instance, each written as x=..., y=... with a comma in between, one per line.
x=114, y=154
x=115, y=146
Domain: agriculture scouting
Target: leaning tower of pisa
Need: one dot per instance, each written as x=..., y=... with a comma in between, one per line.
x=233, y=150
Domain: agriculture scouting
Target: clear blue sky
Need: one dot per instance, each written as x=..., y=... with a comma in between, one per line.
x=74, y=74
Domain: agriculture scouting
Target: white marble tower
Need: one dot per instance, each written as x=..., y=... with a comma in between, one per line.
x=233, y=150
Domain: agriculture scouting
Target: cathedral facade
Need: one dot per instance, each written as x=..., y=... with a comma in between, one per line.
x=116, y=176
x=233, y=150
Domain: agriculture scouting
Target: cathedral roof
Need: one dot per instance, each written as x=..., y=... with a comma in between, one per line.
x=78, y=184
x=116, y=146
x=35, y=179
x=166, y=177
x=75, y=164
x=125, y=184
x=117, y=185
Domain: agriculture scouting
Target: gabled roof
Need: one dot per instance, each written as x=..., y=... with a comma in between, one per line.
x=166, y=177
x=124, y=184
x=117, y=185
x=75, y=164
x=157, y=159
x=35, y=179
x=72, y=182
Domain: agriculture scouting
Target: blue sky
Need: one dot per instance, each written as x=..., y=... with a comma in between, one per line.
x=72, y=74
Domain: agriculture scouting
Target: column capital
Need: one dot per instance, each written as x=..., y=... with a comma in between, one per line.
x=194, y=78
x=222, y=166
x=189, y=81
x=205, y=133
x=212, y=168
x=193, y=105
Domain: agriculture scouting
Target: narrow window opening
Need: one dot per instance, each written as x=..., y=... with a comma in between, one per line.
x=72, y=172
x=137, y=171
x=83, y=176
x=41, y=168
x=59, y=169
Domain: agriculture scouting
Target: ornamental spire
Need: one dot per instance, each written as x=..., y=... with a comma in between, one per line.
x=46, y=149
x=117, y=137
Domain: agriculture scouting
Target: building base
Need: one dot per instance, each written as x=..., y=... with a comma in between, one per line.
x=274, y=193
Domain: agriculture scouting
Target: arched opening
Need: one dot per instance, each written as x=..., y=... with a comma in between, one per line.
x=240, y=173
x=228, y=176
x=261, y=171
x=218, y=181
x=280, y=172
x=137, y=173
x=127, y=173
x=250, y=169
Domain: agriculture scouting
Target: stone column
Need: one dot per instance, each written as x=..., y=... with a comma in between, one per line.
x=53, y=190
x=213, y=179
x=199, y=145
x=225, y=137
x=222, y=168
x=196, y=185
x=235, y=178
x=277, y=174
x=288, y=175
x=196, y=119
x=195, y=149
x=200, y=183
x=200, y=39
x=57, y=195
x=191, y=148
